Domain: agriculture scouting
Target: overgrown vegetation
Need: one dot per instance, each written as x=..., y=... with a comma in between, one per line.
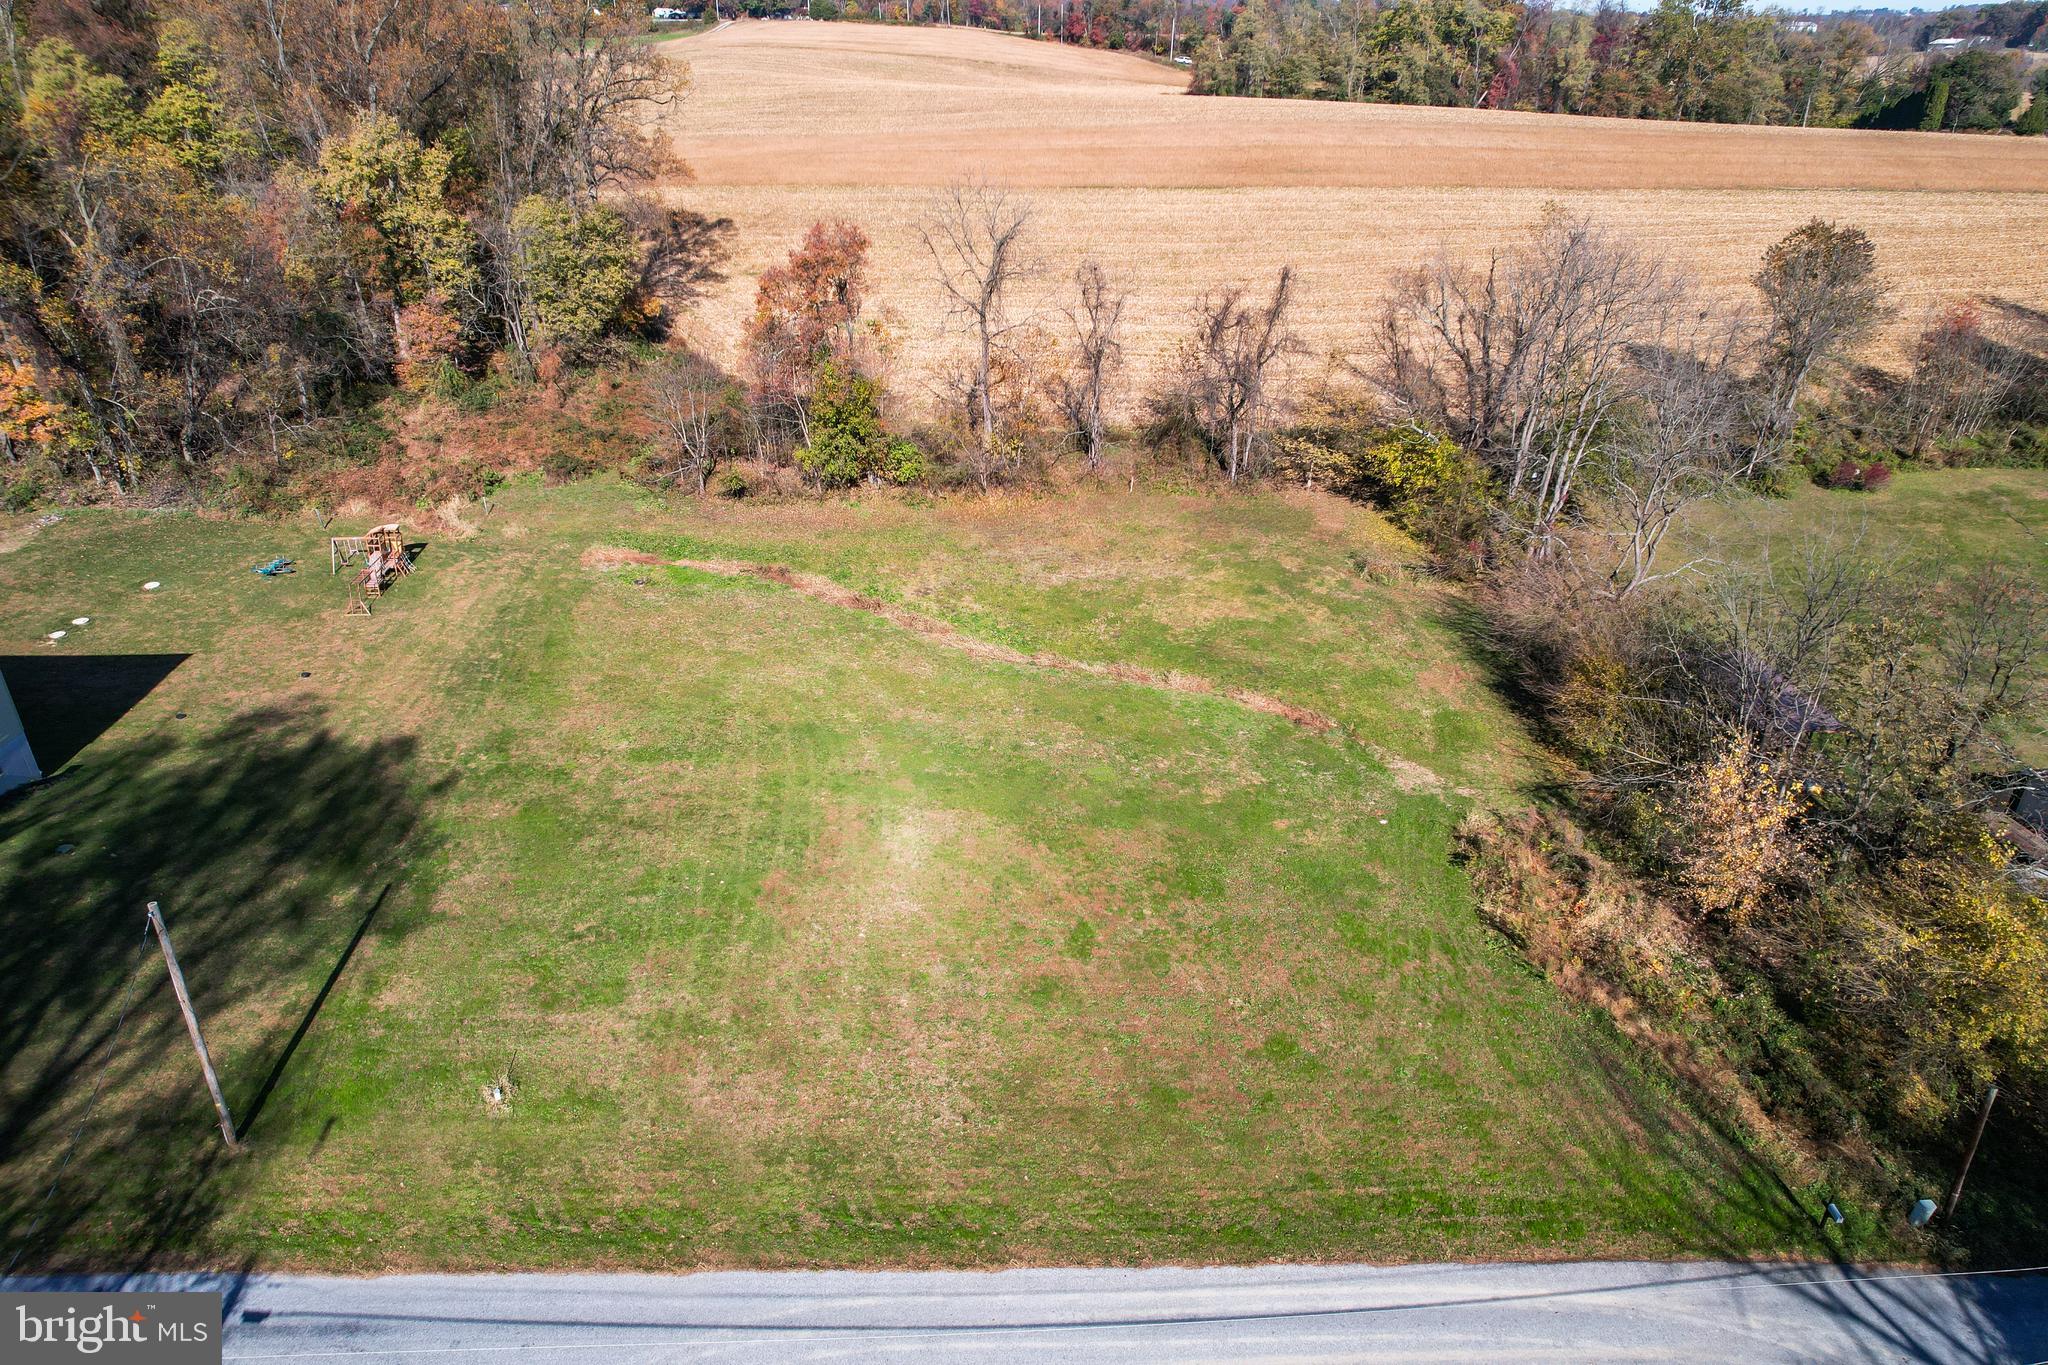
x=1807, y=761
x=220, y=227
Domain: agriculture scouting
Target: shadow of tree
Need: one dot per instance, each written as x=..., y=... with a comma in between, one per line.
x=686, y=252
x=2034, y=320
x=1995, y=1319
x=1505, y=676
x=270, y=842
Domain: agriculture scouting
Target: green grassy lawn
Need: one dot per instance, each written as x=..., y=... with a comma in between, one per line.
x=1926, y=521
x=800, y=938
x=1951, y=517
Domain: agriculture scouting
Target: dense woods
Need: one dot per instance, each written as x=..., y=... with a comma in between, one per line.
x=220, y=227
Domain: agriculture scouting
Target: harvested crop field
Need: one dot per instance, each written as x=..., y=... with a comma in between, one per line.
x=791, y=122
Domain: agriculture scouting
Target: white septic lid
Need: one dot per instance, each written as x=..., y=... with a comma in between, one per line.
x=80, y=620
x=151, y=586
x=56, y=635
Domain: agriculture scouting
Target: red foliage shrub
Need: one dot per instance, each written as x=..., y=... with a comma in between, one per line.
x=1866, y=477
x=429, y=338
x=807, y=310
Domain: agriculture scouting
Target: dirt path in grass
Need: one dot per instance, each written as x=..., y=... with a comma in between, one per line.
x=1408, y=775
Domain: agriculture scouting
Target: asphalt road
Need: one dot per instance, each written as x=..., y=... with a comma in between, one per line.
x=1572, y=1312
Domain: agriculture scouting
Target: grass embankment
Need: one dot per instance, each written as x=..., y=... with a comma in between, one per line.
x=799, y=937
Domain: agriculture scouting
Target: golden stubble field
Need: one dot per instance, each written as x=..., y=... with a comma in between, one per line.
x=789, y=122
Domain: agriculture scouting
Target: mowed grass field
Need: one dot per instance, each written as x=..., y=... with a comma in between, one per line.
x=1927, y=523
x=791, y=122
x=798, y=938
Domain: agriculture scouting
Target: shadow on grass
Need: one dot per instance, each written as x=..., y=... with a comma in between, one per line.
x=1993, y=1319
x=67, y=701
x=1505, y=676
x=267, y=841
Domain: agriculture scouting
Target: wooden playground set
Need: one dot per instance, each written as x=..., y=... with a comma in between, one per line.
x=385, y=557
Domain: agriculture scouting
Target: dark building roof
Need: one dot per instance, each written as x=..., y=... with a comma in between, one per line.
x=1767, y=696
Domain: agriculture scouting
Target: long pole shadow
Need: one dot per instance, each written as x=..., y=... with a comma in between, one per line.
x=284, y=1058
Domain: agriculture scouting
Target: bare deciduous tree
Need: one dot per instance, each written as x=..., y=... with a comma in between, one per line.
x=585, y=100
x=570, y=116
x=687, y=396
x=1526, y=361
x=1228, y=368
x=1965, y=372
x=975, y=234
x=1097, y=320
x=1992, y=648
x=1677, y=443
x=298, y=73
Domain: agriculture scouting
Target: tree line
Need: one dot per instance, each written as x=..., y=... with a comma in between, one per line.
x=1718, y=61
x=1702, y=60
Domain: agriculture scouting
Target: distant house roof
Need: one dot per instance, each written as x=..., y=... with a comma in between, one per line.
x=1768, y=697
x=2029, y=798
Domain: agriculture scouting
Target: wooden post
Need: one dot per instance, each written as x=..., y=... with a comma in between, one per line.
x=1976, y=1136
x=163, y=938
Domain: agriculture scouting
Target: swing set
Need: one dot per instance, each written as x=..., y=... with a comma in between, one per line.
x=384, y=557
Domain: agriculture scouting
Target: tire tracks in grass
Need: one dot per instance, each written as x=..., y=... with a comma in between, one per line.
x=1408, y=775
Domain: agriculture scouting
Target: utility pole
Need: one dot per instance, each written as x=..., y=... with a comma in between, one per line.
x=163, y=938
x=1983, y=1117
